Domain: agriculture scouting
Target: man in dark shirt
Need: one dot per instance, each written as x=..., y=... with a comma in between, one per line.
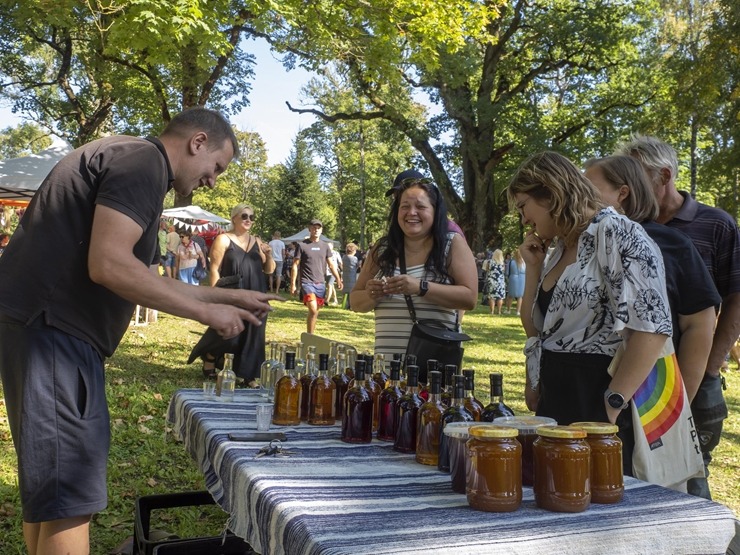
x=312, y=257
x=715, y=235
x=94, y=222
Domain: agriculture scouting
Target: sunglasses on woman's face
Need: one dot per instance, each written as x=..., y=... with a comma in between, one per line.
x=250, y=217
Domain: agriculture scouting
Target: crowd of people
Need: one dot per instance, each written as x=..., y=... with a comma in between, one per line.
x=616, y=268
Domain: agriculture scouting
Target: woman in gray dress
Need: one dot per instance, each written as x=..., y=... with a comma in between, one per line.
x=349, y=272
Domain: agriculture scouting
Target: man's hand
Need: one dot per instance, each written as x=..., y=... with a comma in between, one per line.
x=252, y=307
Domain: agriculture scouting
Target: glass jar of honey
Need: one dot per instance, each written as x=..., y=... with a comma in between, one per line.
x=494, y=476
x=527, y=426
x=562, y=469
x=607, y=480
x=458, y=434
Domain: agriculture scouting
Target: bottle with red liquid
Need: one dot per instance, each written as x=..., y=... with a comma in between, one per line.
x=372, y=387
x=341, y=383
x=407, y=412
x=429, y=425
x=448, y=383
x=387, y=402
x=307, y=378
x=456, y=412
x=496, y=408
x=322, y=396
x=474, y=406
x=357, y=413
x=423, y=383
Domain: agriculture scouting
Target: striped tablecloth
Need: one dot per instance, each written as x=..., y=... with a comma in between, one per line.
x=332, y=498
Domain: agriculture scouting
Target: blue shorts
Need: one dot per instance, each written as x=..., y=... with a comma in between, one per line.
x=54, y=388
x=169, y=259
x=313, y=292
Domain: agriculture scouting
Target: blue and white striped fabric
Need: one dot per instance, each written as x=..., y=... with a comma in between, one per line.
x=336, y=498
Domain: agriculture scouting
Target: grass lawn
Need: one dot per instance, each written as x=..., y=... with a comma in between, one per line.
x=150, y=365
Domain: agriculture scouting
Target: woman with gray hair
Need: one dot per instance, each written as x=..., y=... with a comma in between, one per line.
x=242, y=260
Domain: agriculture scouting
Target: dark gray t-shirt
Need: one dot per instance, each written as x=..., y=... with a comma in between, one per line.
x=44, y=270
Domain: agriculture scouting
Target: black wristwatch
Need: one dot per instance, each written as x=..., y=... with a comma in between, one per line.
x=615, y=400
x=423, y=287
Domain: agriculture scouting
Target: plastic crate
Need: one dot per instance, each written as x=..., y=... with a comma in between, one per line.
x=144, y=545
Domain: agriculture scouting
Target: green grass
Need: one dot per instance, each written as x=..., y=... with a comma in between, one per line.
x=150, y=365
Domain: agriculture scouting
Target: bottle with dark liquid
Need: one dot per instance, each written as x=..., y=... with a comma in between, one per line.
x=379, y=374
x=387, y=403
x=341, y=382
x=423, y=383
x=474, y=406
x=406, y=361
x=357, y=413
x=456, y=412
x=407, y=411
x=430, y=415
x=288, y=393
x=307, y=378
x=448, y=384
x=496, y=407
x=372, y=387
x=323, y=396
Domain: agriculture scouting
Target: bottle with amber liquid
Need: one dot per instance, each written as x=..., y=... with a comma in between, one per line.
x=379, y=374
x=474, y=406
x=357, y=412
x=424, y=383
x=456, y=412
x=341, y=383
x=407, y=413
x=288, y=394
x=322, y=396
x=387, y=403
x=496, y=407
x=448, y=383
x=429, y=425
x=307, y=378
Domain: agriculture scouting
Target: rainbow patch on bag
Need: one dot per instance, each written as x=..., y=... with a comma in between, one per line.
x=659, y=400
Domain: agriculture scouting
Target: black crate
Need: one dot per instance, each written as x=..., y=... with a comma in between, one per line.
x=144, y=545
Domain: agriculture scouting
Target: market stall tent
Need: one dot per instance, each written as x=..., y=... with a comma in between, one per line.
x=21, y=177
x=304, y=233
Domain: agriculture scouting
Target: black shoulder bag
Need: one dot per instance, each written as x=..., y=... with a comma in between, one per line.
x=431, y=339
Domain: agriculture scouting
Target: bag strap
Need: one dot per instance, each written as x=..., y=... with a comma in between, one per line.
x=409, y=302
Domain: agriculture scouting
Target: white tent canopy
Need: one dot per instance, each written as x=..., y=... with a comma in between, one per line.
x=304, y=233
x=193, y=218
x=21, y=177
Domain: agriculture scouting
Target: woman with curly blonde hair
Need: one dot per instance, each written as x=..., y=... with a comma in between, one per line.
x=600, y=284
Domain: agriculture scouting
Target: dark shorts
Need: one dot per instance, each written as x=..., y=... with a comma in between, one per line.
x=313, y=292
x=55, y=397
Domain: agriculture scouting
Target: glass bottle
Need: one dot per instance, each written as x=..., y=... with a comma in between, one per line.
x=387, y=403
x=496, y=407
x=307, y=378
x=226, y=380
x=341, y=382
x=456, y=412
x=351, y=358
x=474, y=406
x=407, y=411
x=407, y=360
x=265, y=368
x=379, y=374
x=372, y=387
x=322, y=396
x=277, y=371
x=300, y=359
x=288, y=393
x=430, y=415
x=357, y=413
x=432, y=365
x=448, y=384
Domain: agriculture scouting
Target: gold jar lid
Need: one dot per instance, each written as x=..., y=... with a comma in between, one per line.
x=493, y=432
x=597, y=427
x=561, y=432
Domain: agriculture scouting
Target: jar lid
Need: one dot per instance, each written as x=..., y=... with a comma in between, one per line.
x=597, y=427
x=525, y=424
x=459, y=430
x=493, y=432
x=561, y=432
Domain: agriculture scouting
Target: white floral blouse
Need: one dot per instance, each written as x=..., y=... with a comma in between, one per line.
x=617, y=282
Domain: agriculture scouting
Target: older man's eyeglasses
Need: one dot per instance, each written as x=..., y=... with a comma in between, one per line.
x=250, y=217
x=406, y=183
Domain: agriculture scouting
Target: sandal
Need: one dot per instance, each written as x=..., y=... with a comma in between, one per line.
x=209, y=373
